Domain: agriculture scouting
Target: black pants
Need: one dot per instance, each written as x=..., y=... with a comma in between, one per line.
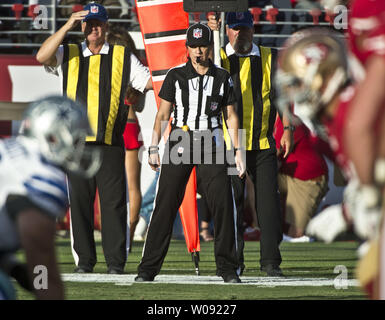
x=262, y=167
x=111, y=183
x=205, y=213
x=171, y=189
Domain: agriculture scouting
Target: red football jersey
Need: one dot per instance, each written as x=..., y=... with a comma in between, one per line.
x=335, y=130
x=305, y=161
x=367, y=28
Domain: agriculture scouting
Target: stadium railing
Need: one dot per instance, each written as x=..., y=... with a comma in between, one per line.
x=17, y=28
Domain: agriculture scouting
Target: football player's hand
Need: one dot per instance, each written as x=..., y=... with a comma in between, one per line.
x=363, y=203
x=328, y=224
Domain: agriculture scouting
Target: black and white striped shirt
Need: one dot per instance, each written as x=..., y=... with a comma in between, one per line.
x=199, y=100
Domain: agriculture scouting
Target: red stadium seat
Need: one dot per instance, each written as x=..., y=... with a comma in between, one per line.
x=272, y=15
x=315, y=13
x=31, y=13
x=196, y=16
x=256, y=12
x=329, y=17
x=18, y=9
x=77, y=7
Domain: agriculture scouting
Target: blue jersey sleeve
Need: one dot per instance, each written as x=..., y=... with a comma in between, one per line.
x=48, y=193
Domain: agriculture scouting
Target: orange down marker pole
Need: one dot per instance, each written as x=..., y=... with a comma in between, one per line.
x=163, y=24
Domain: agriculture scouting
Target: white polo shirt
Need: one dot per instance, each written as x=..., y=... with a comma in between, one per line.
x=254, y=51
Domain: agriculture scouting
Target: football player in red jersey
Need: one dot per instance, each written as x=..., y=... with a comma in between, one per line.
x=365, y=134
x=314, y=74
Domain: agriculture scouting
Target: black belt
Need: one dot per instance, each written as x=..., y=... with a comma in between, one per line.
x=186, y=128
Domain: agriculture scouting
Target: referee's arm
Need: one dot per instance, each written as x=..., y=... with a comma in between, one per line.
x=232, y=123
x=161, y=120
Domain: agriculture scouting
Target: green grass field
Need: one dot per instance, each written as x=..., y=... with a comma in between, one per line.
x=301, y=261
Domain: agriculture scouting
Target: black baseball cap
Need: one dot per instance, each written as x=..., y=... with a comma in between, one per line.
x=199, y=35
x=238, y=19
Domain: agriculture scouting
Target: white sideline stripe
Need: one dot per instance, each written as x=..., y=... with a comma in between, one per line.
x=124, y=280
x=74, y=253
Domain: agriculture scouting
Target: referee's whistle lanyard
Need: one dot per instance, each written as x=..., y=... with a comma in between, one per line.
x=199, y=79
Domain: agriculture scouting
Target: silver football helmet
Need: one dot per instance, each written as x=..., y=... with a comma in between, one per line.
x=60, y=127
x=313, y=67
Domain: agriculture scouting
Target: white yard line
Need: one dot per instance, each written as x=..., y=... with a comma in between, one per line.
x=128, y=279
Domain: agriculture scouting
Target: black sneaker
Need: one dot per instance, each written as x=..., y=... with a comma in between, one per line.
x=231, y=278
x=272, y=270
x=115, y=270
x=83, y=270
x=143, y=278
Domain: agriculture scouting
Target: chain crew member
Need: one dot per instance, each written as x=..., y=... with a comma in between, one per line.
x=97, y=74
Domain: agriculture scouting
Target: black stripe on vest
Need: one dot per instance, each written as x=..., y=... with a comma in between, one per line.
x=82, y=85
x=256, y=83
x=121, y=118
x=234, y=72
x=272, y=96
x=200, y=95
x=104, y=93
x=65, y=69
x=185, y=101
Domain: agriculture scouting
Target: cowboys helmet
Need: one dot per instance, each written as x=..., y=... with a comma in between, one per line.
x=60, y=127
x=313, y=67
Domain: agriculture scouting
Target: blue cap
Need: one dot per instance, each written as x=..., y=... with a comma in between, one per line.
x=96, y=11
x=237, y=19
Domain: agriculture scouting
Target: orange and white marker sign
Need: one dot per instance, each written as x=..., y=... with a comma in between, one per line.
x=163, y=24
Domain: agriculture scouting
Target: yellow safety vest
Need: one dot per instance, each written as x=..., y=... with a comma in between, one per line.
x=252, y=77
x=99, y=83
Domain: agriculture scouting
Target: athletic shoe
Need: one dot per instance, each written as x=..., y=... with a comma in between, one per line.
x=113, y=270
x=272, y=270
x=302, y=239
x=231, y=278
x=143, y=278
x=83, y=270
